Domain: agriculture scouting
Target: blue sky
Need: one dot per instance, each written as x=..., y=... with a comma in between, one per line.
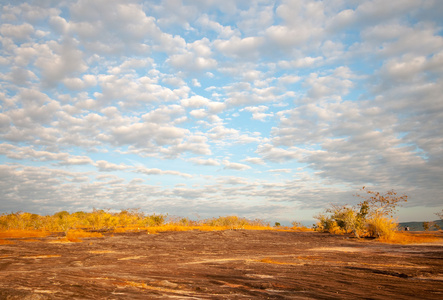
x=262, y=109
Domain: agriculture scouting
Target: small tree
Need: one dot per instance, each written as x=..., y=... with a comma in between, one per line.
x=380, y=209
x=426, y=226
x=373, y=215
x=384, y=205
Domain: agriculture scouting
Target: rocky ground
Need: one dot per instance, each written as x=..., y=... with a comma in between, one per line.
x=232, y=264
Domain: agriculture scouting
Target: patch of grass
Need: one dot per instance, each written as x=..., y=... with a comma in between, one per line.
x=23, y=233
x=75, y=235
x=410, y=238
x=67, y=240
x=82, y=234
x=5, y=242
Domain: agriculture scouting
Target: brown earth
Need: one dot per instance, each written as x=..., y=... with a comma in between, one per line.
x=232, y=264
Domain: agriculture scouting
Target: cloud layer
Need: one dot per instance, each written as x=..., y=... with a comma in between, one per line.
x=265, y=109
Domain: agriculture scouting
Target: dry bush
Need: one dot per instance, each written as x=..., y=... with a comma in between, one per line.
x=327, y=224
x=371, y=217
x=379, y=226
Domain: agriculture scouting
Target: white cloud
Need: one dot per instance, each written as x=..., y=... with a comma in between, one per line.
x=195, y=101
x=254, y=160
x=197, y=58
x=347, y=94
x=246, y=48
x=280, y=171
x=56, y=61
x=235, y=166
x=222, y=31
x=17, y=32
x=155, y=171
x=204, y=162
x=258, y=112
x=105, y=166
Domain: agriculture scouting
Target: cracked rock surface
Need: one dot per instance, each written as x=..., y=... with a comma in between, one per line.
x=231, y=264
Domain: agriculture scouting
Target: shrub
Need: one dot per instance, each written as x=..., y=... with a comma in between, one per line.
x=379, y=226
x=371, y=217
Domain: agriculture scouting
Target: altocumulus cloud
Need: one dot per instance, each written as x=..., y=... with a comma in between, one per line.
x=265, y=109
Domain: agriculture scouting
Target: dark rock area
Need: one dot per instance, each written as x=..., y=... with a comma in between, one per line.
x=232, y=264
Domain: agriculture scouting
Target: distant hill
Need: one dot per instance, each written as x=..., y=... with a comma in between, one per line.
x=418, y=226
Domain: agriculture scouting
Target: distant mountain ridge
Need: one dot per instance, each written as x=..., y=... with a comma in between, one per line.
x=418, y=226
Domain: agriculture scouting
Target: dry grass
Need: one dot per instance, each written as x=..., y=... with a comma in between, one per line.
x=301, y=229
x=17, y=233
x=411, y=238
x=83, y=234
x=203, y=227
x=74, y=236
x=5, y=242
x=20, y=224
x=21, y=234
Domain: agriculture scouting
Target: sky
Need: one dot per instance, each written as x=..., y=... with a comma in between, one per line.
x=263, y=109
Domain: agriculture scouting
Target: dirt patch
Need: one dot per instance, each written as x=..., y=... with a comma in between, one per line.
x=234, y=264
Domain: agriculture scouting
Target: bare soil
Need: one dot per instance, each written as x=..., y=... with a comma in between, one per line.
x=232, y=264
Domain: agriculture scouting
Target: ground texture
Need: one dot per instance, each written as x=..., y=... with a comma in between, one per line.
x=231, y=264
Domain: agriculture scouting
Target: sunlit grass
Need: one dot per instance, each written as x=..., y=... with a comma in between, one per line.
x=79, y=225
x=75, y=236
x=17, y=233
x=411, y=238
x=5, y=242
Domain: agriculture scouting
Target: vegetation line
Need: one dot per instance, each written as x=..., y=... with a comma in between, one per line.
x=93, y=224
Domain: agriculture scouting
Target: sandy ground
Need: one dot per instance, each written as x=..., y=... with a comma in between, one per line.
x=232, y=264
